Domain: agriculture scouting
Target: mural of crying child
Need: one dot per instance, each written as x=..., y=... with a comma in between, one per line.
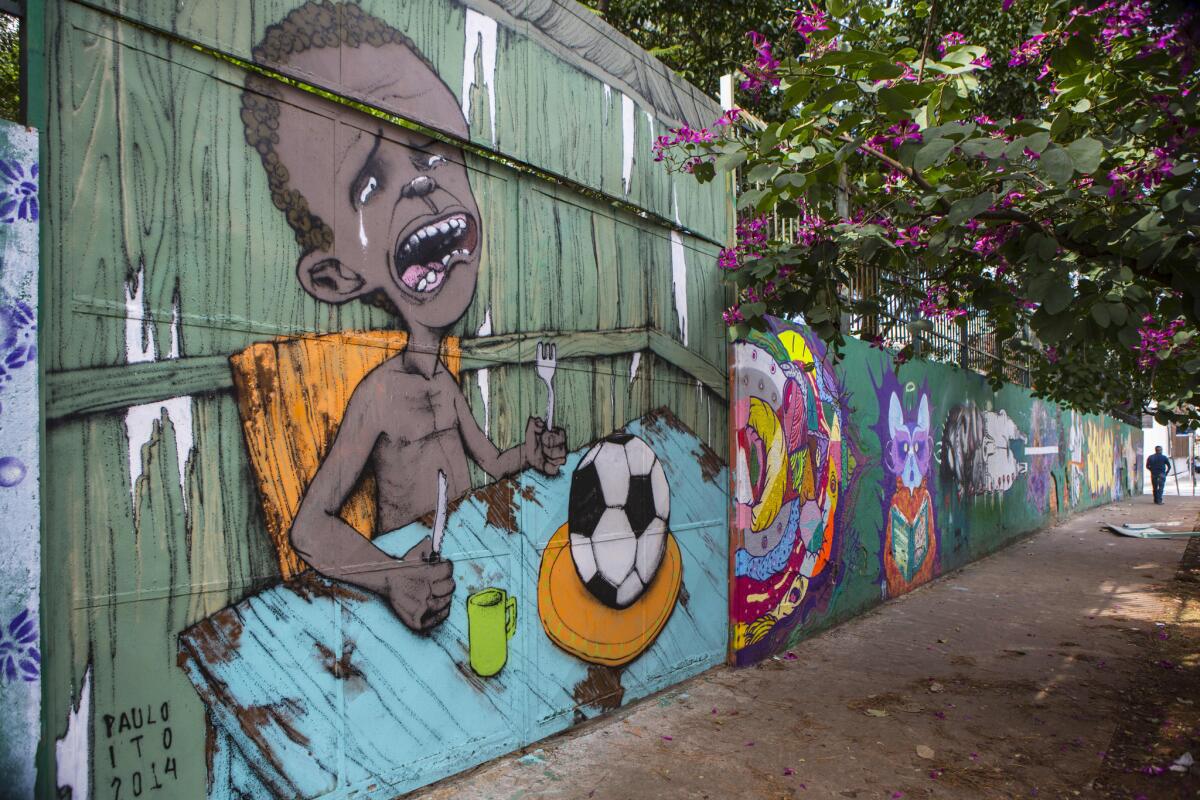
x=386, y=215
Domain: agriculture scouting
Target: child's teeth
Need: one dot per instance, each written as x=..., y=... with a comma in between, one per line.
x=443, y=227
x=446, y=259
x=431, y=276
x=421, y=285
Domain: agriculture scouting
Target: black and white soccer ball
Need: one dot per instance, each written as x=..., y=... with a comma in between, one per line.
x=617, y=515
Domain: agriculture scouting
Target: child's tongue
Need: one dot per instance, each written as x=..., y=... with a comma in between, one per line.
x=413, y=275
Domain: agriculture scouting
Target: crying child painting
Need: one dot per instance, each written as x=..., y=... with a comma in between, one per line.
x=386, y=215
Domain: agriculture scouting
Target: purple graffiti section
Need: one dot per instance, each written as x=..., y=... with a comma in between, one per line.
x=19, y=194
x=18, y=339
x=1041, y=490
x=19, y=656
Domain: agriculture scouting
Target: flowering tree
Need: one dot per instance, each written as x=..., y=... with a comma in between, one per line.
x=1072, y=232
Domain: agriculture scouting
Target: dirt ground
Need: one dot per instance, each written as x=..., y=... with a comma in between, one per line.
x=1067, y=665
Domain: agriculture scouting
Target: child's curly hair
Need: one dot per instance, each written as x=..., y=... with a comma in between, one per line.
x=317, y=23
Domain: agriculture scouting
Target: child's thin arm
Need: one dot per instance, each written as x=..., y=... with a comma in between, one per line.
x=481, y=450
x=321, y=537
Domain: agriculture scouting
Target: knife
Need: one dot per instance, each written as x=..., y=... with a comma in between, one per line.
x=439, y=518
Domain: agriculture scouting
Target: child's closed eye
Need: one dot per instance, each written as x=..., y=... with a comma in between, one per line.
x=369, y=180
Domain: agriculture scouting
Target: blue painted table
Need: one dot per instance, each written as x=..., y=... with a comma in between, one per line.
x=314, y=688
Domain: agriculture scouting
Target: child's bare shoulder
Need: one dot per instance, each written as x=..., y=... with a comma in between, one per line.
x=382, y=387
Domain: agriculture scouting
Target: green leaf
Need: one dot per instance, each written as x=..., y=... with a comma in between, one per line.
x=834, y=94
x=967, y=207
x=1119, y=313
x=1056, y=165
x=904, y=96
x=750, y=199
x=884, y=71
x=1058, y=299
x=1081, y=106
x=762, y=172
x=1192, y=366
x=1100, y=313
x=988, y=147
x=1086, y=154
x=1060, y=124
x=1036, y=142
x=1044, y=246
x=730, y=161
x=1129, y=337
x=933, y=153
x=796, y=92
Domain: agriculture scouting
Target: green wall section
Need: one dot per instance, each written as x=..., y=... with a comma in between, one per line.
x=163, y=256
x=824, y=459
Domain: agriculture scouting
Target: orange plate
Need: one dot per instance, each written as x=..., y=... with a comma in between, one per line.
x=586, y=628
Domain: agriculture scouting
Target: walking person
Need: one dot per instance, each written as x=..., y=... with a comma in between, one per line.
x=1158, y=464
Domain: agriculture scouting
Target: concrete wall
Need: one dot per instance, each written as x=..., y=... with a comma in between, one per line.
x=246, y=603
x=20, y=408
x=855, y=482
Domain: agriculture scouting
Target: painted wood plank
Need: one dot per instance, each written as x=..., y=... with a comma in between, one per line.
x=90, y=391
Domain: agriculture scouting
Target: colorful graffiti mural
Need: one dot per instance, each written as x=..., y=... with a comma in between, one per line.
x=793, y=462
x=959, y=471
x=20, y=410
x=425, y=463
x=378, y=456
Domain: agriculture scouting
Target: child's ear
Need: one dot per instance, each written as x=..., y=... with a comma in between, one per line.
x=328, y=279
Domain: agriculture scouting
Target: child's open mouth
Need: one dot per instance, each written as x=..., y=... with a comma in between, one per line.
x=426, y=256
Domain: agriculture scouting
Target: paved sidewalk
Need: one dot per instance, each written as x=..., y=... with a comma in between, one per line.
x=1013, y=677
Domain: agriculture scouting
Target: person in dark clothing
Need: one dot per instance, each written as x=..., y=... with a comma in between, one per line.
x=1158, y=464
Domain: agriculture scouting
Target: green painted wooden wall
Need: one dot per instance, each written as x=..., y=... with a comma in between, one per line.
x=155, y=207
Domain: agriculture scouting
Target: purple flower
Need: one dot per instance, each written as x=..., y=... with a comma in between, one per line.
x=810, y=21
x=1030, y=50
x=728, y=118
x=732, y=315
x=949, y=41
x=19, y=656
x=19, y=194
x=910, y=237
x=763, y=71
x=896, y=135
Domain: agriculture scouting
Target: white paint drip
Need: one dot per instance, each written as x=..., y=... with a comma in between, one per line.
x=71, y=752
x=362, y=231
x=634, y=363
x=140, y=347
x=481, y=376
x=607, y=101
x=480, y=39
x=679, y=284
x=628, y=133
x=139, y=338
x=679, y=268
x=175, y=329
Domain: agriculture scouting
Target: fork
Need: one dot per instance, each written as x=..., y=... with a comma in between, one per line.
x=547, y=362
